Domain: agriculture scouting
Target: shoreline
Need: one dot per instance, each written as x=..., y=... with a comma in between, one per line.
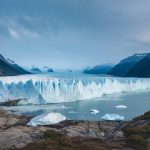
x=15, y=134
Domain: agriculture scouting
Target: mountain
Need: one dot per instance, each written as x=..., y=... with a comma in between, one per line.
x=141, y=69
x=47, y=69
x=50, y=70
x=37, y=70
x=9, y=68
x=17, y=67
x=123, y=67
x=101, y=69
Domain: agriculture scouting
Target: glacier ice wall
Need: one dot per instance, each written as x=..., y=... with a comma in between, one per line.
x=44, y=89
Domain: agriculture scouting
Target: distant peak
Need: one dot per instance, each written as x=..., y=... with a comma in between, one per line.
x=46, y=67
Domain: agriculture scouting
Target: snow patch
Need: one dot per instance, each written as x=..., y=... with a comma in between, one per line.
x=47, y=119
x=112, y=117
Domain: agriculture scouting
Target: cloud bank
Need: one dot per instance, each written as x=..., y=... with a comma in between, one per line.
x=73, y=34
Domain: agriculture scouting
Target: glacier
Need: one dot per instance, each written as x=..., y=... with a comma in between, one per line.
x=44, y=89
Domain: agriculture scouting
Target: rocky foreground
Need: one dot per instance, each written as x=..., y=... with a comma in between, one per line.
x=74, y=135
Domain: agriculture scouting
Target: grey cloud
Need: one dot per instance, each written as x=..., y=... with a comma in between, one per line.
x=90, y=31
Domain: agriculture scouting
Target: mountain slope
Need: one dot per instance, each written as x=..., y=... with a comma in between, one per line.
x=101, y=69
x=19, y=69
x=122, y=68
x=141, y=69
x=10, y=69
x=38, y=70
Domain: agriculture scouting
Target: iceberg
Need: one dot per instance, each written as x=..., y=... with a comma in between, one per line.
x=112, y=117
x=121, y=107
x=47, y=119
x=44, y=89
x=94, y=111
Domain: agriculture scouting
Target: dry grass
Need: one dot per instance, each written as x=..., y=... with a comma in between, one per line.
x=56, y=141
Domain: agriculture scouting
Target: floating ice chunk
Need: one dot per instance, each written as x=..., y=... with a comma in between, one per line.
x=94, y=111
x=121, y=107
x=47, y=119
x=112, y=117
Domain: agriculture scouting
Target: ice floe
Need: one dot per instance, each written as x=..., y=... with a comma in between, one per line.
x=121, y=107
x=112, y=117
x=47, y=119
x=94, y=111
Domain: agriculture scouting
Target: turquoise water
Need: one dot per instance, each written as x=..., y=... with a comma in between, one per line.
x=137, y=103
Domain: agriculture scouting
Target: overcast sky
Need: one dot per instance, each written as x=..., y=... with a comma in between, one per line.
x=73, y=33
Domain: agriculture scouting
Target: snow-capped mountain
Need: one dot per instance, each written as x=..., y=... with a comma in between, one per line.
x=123, y=67
x=10, y=68
x=37, y=70
x=47, y=69
x=141, y=69
x=99, y=69
x=10, y=61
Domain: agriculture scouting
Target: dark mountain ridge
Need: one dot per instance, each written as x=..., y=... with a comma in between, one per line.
x=125, y=65
x=10, y=69
x=140, y=69
x=99, y=69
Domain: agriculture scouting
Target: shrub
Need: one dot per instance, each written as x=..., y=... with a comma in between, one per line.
x=50, y=134
x=137, y=142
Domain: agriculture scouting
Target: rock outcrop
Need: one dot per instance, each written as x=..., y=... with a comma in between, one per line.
x=69, y=134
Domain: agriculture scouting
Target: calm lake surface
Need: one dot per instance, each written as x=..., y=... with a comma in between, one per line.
x=137, y=103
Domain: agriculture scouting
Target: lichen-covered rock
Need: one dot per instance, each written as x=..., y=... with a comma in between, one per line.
x=13, y=139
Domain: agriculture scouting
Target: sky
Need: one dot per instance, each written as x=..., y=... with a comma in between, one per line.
x=73, y=33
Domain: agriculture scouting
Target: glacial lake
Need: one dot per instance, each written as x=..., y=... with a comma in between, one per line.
x=137, y=103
